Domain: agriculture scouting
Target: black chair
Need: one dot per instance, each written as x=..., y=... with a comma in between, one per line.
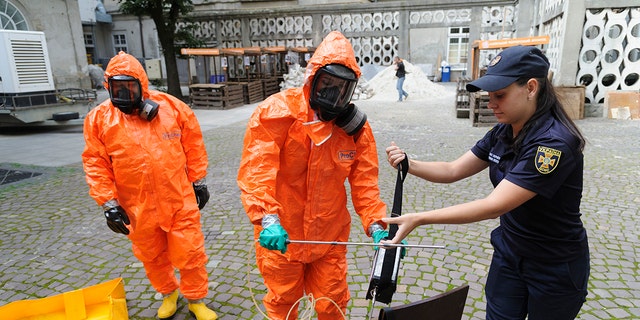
x=445, y=306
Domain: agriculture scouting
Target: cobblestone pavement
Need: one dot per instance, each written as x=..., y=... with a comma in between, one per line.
x=53, y=237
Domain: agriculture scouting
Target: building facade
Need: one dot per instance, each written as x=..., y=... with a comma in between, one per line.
x=595, y=43
x=592, y=43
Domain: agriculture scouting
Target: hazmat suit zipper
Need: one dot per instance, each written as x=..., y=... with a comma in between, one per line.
x=309, y=215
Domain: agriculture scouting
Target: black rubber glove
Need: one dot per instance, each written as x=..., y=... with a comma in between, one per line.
x=202, y=194
x=117, y=219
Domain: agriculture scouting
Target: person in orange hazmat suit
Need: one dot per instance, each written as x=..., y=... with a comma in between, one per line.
x=300, y=146
x=145, y=164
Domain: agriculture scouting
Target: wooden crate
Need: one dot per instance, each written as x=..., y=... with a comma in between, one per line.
x=462, y=99
x=481, y=115
x=252, y=90
x=270, y=86
x=216, y=96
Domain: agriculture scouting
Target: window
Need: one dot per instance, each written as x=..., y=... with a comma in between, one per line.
x=458, y=50
x=119, y=42
x=11, y=18
x=89, y=46
x=88, y=40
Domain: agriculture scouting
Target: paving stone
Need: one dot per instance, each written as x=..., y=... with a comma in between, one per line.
x=54, y=237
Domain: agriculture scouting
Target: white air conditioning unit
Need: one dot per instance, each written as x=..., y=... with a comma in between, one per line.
x=24, y=63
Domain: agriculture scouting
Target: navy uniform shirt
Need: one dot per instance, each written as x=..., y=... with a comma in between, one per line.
x=550, y=163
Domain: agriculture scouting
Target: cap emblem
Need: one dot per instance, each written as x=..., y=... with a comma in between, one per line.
x=495, y=61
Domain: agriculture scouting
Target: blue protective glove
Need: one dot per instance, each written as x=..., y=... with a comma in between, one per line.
x=273, y=236
x=379, y=234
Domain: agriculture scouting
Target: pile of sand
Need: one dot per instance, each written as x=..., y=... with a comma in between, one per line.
x=383, y=85
x=295, y=78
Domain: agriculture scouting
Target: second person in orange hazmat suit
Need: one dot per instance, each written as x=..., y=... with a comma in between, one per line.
x=300, y=147
x=145, y=163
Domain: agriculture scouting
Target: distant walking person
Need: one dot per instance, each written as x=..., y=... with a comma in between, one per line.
x=400, y=73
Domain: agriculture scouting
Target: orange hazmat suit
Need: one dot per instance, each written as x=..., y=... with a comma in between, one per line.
x=149, y=168
x=295, y=166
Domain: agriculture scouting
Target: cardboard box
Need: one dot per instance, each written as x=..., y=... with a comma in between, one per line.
x=623, y=105
x=572, y=98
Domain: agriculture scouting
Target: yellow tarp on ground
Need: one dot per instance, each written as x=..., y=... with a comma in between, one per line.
x=104, y=301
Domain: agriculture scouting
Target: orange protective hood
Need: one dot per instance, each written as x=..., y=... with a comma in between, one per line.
x=335, y=48
x=126, y=64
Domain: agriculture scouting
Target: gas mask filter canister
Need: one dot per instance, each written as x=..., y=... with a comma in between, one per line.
x=352, y=120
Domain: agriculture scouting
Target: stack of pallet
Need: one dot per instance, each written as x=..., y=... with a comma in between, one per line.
x=270, y=86
x=252, y=90
x=481, y=115
x=462, y=99
x=216, y=96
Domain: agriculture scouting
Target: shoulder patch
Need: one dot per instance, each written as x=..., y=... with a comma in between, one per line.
x=547, y=159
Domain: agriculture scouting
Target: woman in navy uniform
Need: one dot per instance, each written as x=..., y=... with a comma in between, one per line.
x=540, y=264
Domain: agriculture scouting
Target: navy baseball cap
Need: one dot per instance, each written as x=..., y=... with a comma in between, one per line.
x=510, y=65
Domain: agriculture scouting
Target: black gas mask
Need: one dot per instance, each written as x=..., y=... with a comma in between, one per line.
x=126, y=94
x=331, y=92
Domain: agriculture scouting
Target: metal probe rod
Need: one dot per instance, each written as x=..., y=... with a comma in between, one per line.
x=335, y=243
